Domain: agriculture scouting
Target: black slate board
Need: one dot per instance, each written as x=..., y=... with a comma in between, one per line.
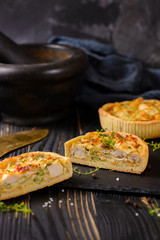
x=147, y=183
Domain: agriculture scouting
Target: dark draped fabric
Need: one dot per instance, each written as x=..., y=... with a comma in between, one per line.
x=110, y=76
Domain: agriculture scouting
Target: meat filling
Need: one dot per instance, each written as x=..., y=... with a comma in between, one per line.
x=103, y=155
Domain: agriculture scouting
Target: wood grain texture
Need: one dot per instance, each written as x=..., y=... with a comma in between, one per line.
x=70, y=213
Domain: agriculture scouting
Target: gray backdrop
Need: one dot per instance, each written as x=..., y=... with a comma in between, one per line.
x=132, y=26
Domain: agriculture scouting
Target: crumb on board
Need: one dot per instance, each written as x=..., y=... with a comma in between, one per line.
x=94, y=175
x=128, y=201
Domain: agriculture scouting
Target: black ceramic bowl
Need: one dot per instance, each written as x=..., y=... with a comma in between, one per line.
x=40, y=93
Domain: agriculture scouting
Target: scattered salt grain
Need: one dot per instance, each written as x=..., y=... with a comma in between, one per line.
x=47, y=204
x=158, y=214
x=62, y=190
x=60, y=201
x=71, y=204
x=136, y=214
x=117, y=179
x=69, y=199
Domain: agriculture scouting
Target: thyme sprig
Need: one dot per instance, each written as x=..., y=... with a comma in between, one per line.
x=154, y=145
x=77, y=170
x=15, y=207
x=155, y=211
x=107, y=140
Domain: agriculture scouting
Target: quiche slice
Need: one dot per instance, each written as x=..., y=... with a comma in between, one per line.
x=32, y=171
x=139, y=116
x=111, y=150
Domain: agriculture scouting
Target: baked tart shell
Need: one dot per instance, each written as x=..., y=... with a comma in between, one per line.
x=143, y=129
x=144, y=155
x=25, y=188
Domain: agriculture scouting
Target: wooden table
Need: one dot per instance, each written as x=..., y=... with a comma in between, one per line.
x=73, y=213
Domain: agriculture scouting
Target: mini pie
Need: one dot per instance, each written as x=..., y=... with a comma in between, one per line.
x=111, y=150
x=32, y=171
x=140, y=117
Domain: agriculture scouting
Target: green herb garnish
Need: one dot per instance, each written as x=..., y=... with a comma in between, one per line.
x=15, y=207
x=154, y=211
x=154, y=145
x=107, y=140
x=77, y=170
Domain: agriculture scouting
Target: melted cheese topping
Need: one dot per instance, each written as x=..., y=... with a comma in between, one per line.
x=30, y=168
x=136, y=110
x=107, y=146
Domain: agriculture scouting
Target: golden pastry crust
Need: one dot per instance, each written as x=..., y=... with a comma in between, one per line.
x=139, y=117
x=127, y=152
x=32, y=171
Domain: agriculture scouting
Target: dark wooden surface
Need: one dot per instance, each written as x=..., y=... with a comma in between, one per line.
x=73, y=213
